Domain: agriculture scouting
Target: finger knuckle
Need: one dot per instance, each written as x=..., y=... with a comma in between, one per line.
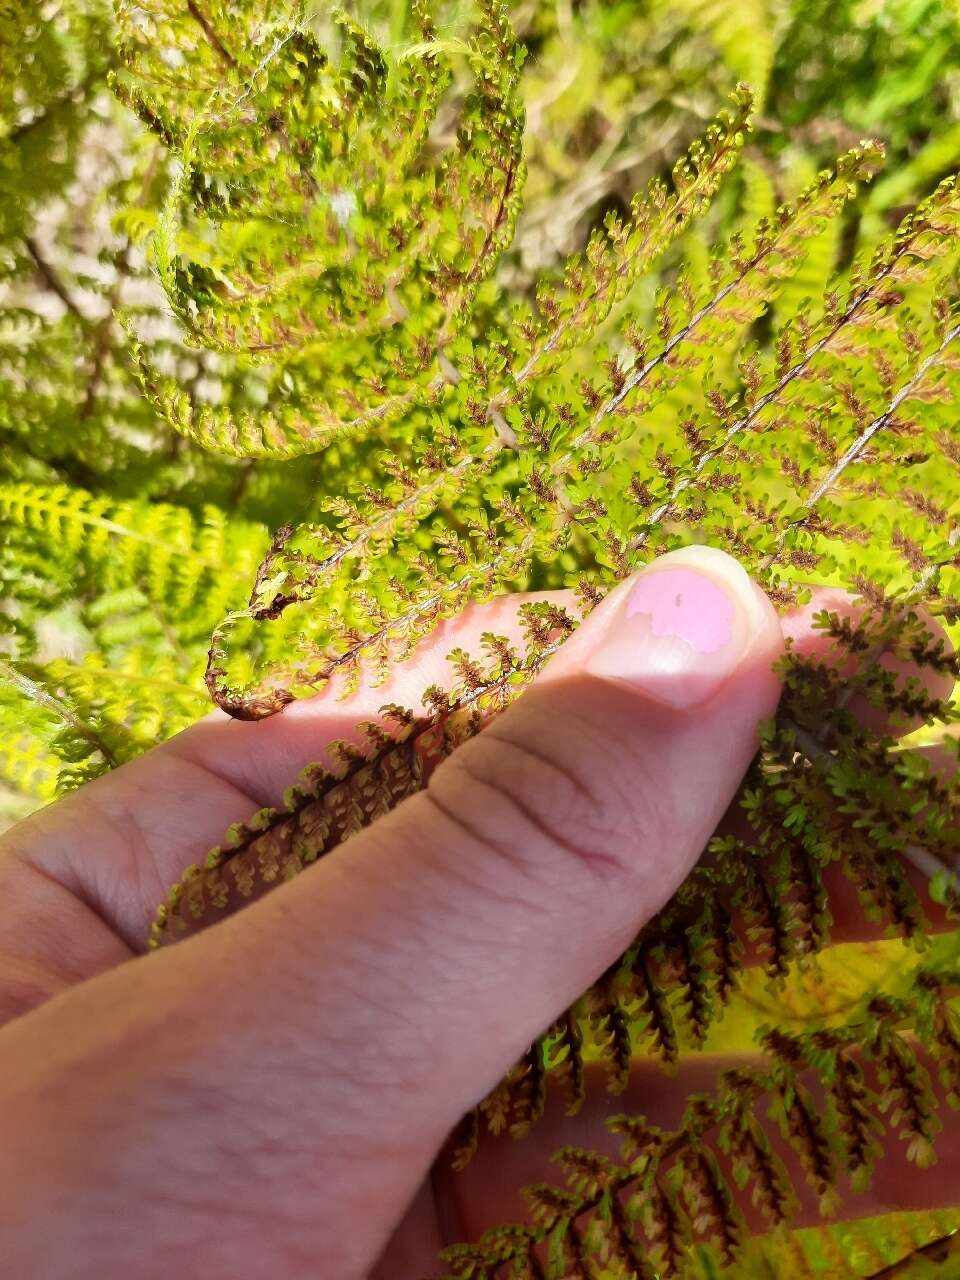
x=536, y=805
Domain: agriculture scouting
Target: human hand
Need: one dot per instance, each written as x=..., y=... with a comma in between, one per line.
x=268, y=1097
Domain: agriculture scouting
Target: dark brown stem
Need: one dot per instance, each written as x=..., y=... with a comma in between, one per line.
x=937, y=1251
x=214, y=41
x=51, y=279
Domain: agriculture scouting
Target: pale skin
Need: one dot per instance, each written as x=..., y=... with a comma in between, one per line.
x=270, y=1097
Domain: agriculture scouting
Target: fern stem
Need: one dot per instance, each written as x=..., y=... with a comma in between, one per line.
x=861, y=442
x=791, y=375
x=52, y=280
x=214, y=41
x=36, y=693
x=935, y=1252
x=509, y=557
x=856, y=448
x=356, y=545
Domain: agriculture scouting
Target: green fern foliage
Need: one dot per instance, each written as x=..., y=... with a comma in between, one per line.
x=317, y=327
x=152, y=579
x=349, y=256
x=641, y=1215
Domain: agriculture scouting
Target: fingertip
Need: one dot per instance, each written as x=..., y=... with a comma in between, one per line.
x=683, y=628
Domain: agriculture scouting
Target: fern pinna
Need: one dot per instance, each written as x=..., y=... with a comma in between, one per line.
x=331, y=221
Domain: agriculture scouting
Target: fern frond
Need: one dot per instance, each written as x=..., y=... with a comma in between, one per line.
x=674, y=1183
x=484, y=441
x=388, y=230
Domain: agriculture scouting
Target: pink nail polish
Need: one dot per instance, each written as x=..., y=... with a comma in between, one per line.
x=682, y=604
x=683, y=627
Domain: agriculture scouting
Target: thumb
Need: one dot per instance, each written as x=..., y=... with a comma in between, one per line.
x=440, y=941
x=313, y=1051
x=542, y=845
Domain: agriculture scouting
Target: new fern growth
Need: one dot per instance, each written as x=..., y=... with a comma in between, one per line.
x=345, y=351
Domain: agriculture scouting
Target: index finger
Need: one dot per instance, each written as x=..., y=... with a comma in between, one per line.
x=116, y=845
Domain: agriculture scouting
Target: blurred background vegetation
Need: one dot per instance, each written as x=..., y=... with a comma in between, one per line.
x=101, y=659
